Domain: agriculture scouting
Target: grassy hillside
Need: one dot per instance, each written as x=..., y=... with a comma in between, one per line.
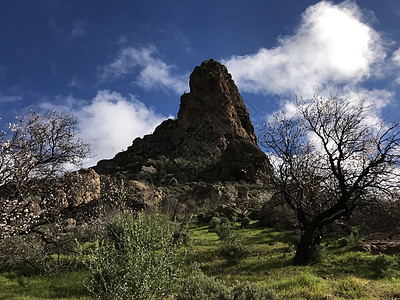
x=341, y=273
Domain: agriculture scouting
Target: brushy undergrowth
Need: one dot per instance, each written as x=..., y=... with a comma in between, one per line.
x=198, y=286
x=138, y=259
x=341, y=273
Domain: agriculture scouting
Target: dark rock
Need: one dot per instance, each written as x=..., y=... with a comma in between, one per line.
x=212, y=139
x=243, y=193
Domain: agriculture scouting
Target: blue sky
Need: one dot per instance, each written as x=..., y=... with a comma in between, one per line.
x=120, y=66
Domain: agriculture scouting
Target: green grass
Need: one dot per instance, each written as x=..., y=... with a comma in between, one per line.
x=343, y=274
x=17, y=286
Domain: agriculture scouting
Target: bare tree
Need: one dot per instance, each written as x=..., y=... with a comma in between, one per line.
x=34, y=152
x=330, y=157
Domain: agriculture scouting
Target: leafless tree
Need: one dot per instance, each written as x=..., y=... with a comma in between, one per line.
x=330, y=157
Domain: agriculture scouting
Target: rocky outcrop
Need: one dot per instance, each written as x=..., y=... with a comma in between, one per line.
x=81, y=187
x=140, y=196
x=212, y=139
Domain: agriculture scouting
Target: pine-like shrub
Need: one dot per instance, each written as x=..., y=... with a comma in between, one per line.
x=138, y=259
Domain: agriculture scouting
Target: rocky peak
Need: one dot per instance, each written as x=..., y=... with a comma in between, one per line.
x=212, y=139
x=214, y=100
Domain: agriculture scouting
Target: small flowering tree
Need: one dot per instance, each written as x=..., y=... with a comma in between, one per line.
x=330, y=159
x=34, y=151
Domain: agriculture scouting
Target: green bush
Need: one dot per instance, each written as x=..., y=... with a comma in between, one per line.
x=233, y=252
x=355, y=237
x=204, y=218
x=215, y=221
x=245, y=222
x=224, y=233
x=44, y=251
x=138, y=259
x=384, y=266
x=198, y=286
x=245, y=290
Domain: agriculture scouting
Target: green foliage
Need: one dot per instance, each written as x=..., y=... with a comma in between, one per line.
x=138, y=259
x=230, y=249
x=215, y=221
x=384, y=266
x=344, y=274
x=245, y=290
x=47, y=252
x=355, y=236
x=224, y=233
x=198, y=286
x=204, y=218
x=233, y=252
x=245, y=221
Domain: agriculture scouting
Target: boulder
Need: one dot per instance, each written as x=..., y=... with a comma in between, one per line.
x=81, y=186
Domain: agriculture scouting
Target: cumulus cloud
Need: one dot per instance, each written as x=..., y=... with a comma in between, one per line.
x=332, y=45
x=109, y=122
x=151, y=72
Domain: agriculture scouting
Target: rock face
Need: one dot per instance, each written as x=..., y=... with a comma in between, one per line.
x=212, y=139
x=82, y=187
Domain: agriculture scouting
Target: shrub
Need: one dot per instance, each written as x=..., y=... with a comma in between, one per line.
x=204, y=218
x=384, y=266
x=233, y=252
x=249, y=291
x=355, y=236
x=229, y=212
x=275, y=213
x=198, y=286
x=230, y=249
x=46, y=250
x=138, y=259
x=245, y=222
x=224, y=233
x=215, y=221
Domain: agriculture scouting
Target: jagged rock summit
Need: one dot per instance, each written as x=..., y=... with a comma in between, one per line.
x=212, y=139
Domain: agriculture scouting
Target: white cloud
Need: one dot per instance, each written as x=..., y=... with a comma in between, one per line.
x=151, y=72
x=396, y=56
x=109, y=122
x=396, y=61
x=332, y=45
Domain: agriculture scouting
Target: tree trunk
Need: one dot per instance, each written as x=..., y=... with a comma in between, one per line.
x=310, y=239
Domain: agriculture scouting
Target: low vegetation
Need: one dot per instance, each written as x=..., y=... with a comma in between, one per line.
x=265, y=272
